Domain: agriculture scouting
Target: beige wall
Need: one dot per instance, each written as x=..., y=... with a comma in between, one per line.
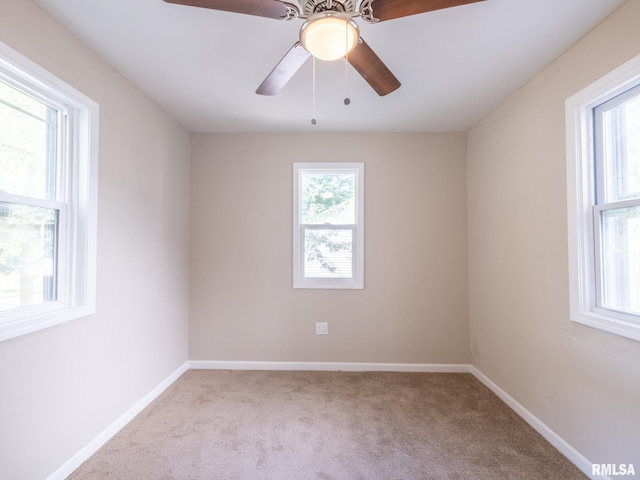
x=60, y=387
x=582, y=383
x=414, y=305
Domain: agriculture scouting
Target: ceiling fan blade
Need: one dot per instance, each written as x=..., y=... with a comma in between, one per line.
x=369, y=65
x=390, y=9
x=284, y=70
x=259, y=8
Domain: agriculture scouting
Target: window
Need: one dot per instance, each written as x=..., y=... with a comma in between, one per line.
x=328, y=219
x=48, y=182
x=603, y=172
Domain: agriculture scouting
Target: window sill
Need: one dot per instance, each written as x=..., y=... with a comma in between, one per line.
x=28, y=324
x=602, y=321
x=328, y=285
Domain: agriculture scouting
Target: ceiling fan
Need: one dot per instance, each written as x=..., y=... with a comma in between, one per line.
x=329, y=32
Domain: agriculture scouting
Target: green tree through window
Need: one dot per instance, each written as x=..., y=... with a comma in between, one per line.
x=328, y=199
x=328, y=212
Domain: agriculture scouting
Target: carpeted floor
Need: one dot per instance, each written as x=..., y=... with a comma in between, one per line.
x=250, y=425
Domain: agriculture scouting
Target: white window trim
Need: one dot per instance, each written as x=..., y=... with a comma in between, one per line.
x=357, y=282
x=78, y=223
x=581, y=199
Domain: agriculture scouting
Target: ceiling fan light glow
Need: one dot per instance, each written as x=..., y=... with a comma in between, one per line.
x=329, y=35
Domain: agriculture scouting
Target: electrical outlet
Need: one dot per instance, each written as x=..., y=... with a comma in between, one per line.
x=322, y=328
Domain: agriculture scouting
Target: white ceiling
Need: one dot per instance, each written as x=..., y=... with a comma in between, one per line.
x=203, y=66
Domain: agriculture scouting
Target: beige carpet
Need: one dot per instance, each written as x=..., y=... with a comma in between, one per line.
x=327, y=425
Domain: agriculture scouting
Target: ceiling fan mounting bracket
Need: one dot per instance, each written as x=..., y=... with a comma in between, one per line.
x=293, y=12
x=309, y=7
x=366, y=11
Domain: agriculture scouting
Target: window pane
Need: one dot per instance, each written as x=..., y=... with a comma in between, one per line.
x=621, y=259
x=622, y=150
x=328, y=198
x=27, y=255
x=328, y=253
x=28, y=133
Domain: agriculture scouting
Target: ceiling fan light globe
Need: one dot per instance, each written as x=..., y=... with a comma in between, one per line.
x=329, y=35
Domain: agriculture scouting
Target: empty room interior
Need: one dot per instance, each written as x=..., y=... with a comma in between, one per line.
x=184, y=254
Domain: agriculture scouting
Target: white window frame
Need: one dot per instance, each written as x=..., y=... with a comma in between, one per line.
x=357, y=279
x=582, y=205
x=76, y=202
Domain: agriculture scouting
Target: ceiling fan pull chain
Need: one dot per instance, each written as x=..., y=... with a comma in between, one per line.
x=313, y=85
x=347, y=100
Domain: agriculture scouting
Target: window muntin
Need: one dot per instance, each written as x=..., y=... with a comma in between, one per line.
x=328, y=225
x=603, y=202
x=48, y=182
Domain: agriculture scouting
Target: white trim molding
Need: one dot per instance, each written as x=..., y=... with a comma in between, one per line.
x=75, y=199
x=552, y=437
x=300, y=279
x=580, y=168
x=92, y=447
x=330, y=366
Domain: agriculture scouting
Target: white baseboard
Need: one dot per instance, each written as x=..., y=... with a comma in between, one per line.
x=558, y=442
x=330, y=366
x=552, y=437
x=92, y=447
